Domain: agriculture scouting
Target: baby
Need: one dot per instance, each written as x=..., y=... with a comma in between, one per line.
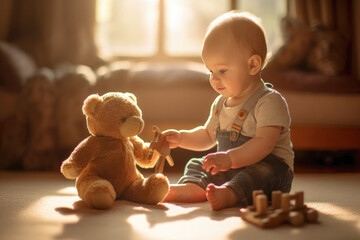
x=248, y=121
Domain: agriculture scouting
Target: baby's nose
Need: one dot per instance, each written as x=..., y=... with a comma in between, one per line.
x=214, y=78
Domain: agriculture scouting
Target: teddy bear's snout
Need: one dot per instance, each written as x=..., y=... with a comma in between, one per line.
x=132, y=126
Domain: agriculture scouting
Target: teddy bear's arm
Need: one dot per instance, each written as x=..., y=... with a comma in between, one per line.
x=141, y=153
x=78, y=159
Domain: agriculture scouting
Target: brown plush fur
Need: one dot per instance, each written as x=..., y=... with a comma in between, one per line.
x=105, y=162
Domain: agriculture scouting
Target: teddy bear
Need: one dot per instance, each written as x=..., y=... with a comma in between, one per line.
x=104, y=164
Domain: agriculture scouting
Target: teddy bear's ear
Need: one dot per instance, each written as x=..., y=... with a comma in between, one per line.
x=131, y=96
x=90, y=104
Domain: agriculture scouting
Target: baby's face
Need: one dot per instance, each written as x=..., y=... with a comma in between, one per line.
x=227, y=63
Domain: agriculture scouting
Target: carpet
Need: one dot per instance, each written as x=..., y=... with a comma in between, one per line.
x=46, y=206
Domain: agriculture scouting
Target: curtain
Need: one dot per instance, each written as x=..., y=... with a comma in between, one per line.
x=333, y=16
x=54, y=31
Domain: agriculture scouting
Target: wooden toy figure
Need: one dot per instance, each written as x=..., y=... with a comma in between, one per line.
x=159, y=149
x=282, y=210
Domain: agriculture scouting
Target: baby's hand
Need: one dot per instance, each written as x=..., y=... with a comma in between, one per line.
x=173, y=138
x=216, y=162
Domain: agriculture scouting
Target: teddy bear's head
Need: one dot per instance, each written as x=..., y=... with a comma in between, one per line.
x=114, y=114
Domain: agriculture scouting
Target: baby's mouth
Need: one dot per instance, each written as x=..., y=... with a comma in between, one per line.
x=220, y=88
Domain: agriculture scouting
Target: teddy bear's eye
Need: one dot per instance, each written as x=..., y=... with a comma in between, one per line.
x=123, y=120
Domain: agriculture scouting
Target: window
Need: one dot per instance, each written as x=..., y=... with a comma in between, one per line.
x=186, y=22
x=127, y=27
x=172, y=29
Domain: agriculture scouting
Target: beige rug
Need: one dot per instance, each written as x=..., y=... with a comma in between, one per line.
x=45, y=206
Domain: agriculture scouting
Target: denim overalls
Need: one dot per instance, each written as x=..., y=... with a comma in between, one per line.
x=269, y=174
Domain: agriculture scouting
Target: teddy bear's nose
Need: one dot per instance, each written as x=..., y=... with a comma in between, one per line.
x=132, y=126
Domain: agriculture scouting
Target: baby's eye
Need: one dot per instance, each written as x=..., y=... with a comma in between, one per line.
x=222, y=71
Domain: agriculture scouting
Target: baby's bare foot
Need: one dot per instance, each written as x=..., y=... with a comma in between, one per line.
x=220, y=197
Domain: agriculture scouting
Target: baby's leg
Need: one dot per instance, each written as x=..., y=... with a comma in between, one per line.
x=188, y=192
x=268, y=175
x=221, y=197
x=188, y=188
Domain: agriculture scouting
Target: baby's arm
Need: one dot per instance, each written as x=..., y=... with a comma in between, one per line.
x=249, y=153
x=198, y=139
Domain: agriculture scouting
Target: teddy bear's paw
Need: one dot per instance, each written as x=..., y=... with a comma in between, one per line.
x=101, y=200
x=69, y=171
x=158, y=188
x=100, y=195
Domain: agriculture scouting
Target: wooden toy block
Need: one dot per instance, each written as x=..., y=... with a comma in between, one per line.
x=160, y=150
x=281, y=210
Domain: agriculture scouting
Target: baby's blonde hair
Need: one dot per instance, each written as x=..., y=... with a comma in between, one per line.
x=246, y=29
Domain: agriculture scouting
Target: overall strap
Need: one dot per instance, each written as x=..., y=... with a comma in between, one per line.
x=245, y=110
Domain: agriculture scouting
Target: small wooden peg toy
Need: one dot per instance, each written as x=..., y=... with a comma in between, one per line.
x=282, y=210
x=159, y=149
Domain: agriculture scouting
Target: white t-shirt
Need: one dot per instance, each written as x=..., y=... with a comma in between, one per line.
x=270, y=110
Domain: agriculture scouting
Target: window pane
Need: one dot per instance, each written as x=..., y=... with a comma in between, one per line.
x=127, y=28
x=270, y=12
x=186, y=22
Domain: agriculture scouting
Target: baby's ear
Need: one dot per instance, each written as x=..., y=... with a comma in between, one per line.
x=131, y=96
x=91, y=103
x=255, y=64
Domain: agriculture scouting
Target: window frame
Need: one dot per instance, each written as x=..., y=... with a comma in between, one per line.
x=160, y=54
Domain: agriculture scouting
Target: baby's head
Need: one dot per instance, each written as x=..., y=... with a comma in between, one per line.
x=236, y=35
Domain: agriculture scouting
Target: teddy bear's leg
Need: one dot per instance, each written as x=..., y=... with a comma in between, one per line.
x=95, y=191
x=151, y=190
